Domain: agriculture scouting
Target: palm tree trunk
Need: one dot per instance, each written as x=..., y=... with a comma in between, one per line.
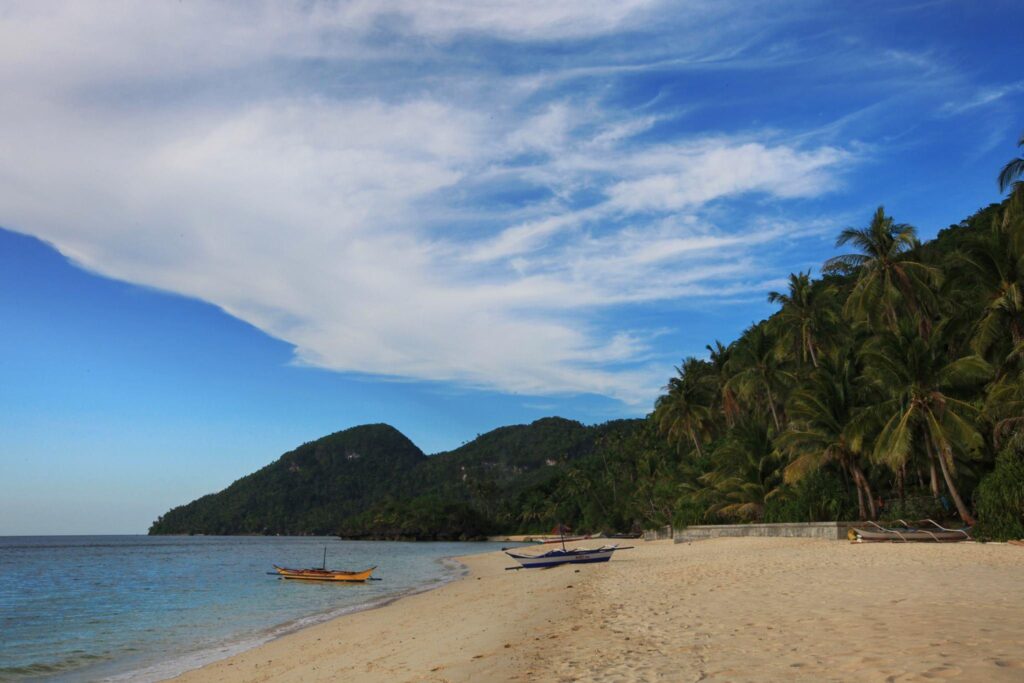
x=696, y=443
x=771, y=404
x=814, y=356
x=933, y=481
x=965, y=514
x=862, y=481
x=863, y=489
x=861, y=510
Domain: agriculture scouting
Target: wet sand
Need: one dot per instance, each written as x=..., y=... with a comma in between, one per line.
x=732, y=609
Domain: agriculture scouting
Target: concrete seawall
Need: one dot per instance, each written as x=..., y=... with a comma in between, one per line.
x=833, y=531
x=660, y=534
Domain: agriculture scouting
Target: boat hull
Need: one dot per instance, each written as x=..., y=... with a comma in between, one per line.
x=324, y=574
x=906, y=536
x=559, y=557
x=908, y=532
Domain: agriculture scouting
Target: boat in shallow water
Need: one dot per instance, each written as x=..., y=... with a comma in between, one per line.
x=553, y=558
x=324, y=574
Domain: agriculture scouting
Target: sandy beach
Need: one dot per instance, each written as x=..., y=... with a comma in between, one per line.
x=742, y=609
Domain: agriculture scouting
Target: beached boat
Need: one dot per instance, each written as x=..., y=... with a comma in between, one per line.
x=553, y=558
x=324, y=574
x=925, y=530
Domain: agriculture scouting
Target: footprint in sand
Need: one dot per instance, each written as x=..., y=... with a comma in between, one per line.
x=1009, y=663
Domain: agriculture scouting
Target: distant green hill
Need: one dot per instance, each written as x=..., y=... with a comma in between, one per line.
x=373, y=482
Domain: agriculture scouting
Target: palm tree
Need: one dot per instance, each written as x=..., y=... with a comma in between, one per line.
x=919, y=384
x=747, y=473
x=756, y=370
x=994, y=263
x=718, y=357
x=884, y=274
x=805, y=315
x=1013, y=172
x=823, y=427
x=685, y=411
x=1004, y=404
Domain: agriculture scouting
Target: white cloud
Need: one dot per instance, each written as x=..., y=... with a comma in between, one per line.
x=982, y=97
x=525, y=19
x=173, y=145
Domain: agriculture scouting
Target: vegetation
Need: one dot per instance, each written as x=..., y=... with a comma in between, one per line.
x=883, y=389
x=372, y=482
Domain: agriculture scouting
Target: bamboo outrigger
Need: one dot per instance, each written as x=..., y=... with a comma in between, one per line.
x=908, y=533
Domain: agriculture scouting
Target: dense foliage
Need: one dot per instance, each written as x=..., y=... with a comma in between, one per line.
x=372, y=482
x=1000, y=495
x=883, y=389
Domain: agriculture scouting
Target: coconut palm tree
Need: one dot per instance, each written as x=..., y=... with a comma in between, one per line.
x=748, y=473
x=823, y=427
x=885, y=276
x=992, y=264
x=1013, y=173
x=806, y=313
x=756, y=372
x=921, y=406
x=684, y=412
x=1004, y=404
x=718, y=357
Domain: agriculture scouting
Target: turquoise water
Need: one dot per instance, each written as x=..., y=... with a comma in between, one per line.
x=82, y=608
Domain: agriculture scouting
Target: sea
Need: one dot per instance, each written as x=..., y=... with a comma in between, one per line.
x=146, y=608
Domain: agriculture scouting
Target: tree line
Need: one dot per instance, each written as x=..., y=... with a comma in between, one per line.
x=890, y=386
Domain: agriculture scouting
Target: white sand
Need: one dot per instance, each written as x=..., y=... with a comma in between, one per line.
x=740, y=609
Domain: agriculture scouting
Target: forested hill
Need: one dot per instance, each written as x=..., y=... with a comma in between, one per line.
x=372, y=481
x=892, y=386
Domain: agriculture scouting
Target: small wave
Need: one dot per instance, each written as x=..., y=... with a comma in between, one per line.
x=35, y=669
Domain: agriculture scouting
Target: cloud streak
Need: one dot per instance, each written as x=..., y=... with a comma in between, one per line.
x=461, y=229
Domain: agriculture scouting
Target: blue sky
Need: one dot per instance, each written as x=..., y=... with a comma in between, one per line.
x=226, y=229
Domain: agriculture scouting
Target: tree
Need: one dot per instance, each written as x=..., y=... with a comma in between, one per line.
x=718, y=357
x=747, y=474
x=885, y=276
x=806, y=314
x=684, y=412
x=920, y=386
x=756, y=370
x=1013, y=172
x=993, y=266
x=823, y=427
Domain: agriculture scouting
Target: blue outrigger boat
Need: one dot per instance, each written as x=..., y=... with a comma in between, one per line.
x=553, y=558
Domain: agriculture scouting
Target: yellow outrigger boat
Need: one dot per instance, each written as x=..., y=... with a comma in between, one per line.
x=324, y=574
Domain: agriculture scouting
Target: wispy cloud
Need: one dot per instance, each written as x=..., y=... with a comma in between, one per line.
x=982, y=97
x=409, y=189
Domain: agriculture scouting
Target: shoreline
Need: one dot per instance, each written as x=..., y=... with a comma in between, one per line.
x=723, y=609
x=175, y=667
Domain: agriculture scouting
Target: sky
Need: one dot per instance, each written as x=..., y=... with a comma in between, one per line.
x=230, y=228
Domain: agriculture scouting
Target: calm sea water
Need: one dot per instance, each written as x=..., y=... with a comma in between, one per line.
x=83, y=608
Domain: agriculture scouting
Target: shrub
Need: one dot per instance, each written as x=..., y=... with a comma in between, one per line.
x=818, y=497
x=1000, y=495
